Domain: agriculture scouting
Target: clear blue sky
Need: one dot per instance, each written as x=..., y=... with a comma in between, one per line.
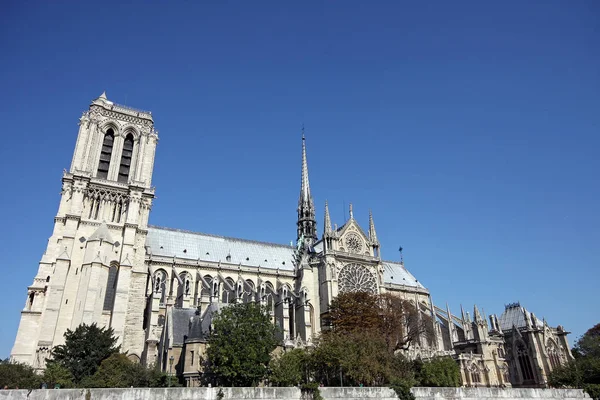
x=471, y=130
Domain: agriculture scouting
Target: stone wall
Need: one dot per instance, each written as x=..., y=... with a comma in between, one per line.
x=292, y=393
x=427, y=393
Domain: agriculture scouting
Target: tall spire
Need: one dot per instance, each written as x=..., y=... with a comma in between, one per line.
x=307, y=224
x=372, y=233
x=327, y=225
x=305, y=188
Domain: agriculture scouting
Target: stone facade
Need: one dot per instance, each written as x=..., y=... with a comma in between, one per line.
x=158, y=288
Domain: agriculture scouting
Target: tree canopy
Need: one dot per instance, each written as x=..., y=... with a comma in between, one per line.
x=363, y=347
x=240, y=345
x=84, y=349
x=389, y=317
x=17, y=375
x=584, y=371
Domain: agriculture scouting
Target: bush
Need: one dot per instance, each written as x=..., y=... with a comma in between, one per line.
x=18, y=376
x=117, y=371
x=57, y=375
x=593, y=389
x=402, y=389
x=290, y=369
x=438, y=372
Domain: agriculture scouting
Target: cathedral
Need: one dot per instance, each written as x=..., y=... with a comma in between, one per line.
x=158, y=288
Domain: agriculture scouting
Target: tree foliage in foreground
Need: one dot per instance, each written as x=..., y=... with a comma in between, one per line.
x=17, y=375
x=240, y=345
x=389, y=317
x=439, y=372
x=118, y=371
x=84, y=349
x=584, y=371
x=363, y=348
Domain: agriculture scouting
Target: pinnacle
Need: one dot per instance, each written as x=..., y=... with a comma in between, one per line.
x=372, y=233
x=103, y=95
x=327, y=225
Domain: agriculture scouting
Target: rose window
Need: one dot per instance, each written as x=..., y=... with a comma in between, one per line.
x=356, y=278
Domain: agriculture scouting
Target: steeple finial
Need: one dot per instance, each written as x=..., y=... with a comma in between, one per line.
x=351, y=213
x=327, y=225
x=103, y=95
x=307, y=224
x=372, y=233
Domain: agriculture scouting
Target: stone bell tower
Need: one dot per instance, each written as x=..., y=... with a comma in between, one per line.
x=93, y=268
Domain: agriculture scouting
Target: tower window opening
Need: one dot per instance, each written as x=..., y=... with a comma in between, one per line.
x=31, y=298
x=105, y=154
x=126, y=158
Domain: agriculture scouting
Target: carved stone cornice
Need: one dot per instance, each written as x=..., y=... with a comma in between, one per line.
x=125, y=114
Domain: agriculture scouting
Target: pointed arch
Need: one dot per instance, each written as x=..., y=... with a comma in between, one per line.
x=553, y=354
x=206, y=287
x=228, y=292
x=111, y=286
x=269, y=293
x=249, y=292
x=126, y=156
x=160, y=285
x=475, y=374
x=524, y=362
x=106, y=154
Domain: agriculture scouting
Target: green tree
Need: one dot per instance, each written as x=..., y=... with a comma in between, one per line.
x=84, y=349
x=55, y=374
x=118, y=371
x=290, y=368
x=17, y=375
x=584, y=371
x=589, y=344
x=438, y=372
x=240, y=345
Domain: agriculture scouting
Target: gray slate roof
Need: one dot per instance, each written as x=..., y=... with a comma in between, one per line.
x=515, y=315
x=194, y=246
x=181, y=323
x=191, y=245
x=394, y=272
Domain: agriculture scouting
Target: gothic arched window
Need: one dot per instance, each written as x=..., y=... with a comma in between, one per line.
x=228, y=293
x=475, y=374
x=206, y=287
x=524, y=362
x=111, y=287
x=160, y=285
x=105, y=154
x=356, y=278
x=126, y=158
x=269, y=292
x=249, y=291
x=553, y=354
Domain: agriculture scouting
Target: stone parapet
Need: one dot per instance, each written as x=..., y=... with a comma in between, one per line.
x=290, y=393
